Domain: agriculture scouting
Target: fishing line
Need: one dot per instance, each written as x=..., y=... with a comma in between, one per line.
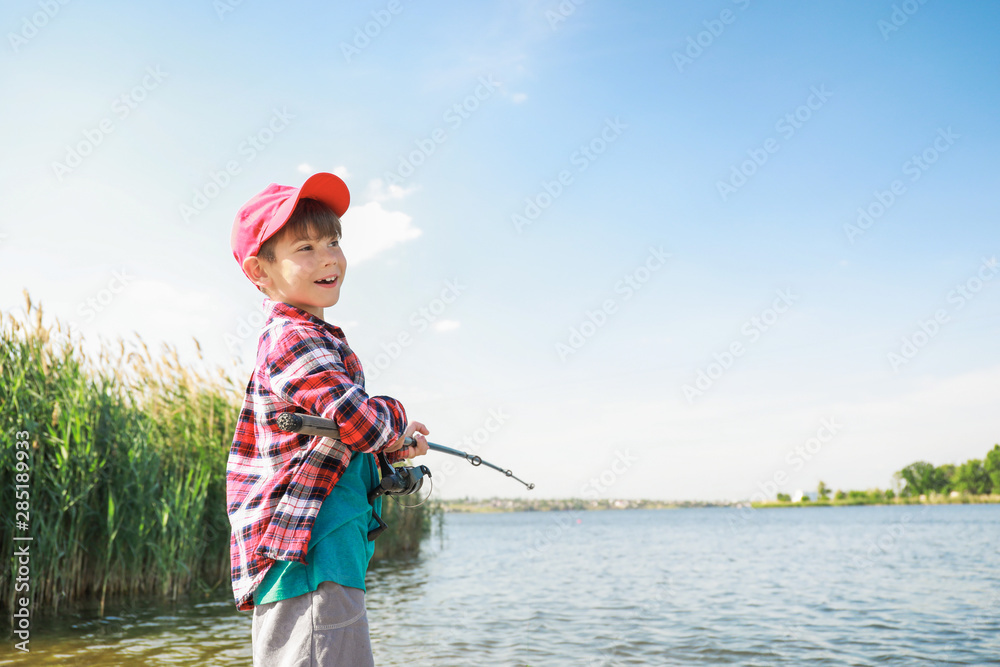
x=423, y=500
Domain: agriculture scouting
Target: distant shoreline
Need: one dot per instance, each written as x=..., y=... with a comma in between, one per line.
x=501, y=505
x=494, y=505
x=935, y=499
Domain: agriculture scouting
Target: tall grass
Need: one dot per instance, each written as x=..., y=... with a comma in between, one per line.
x=128, y=460
x=409, y=521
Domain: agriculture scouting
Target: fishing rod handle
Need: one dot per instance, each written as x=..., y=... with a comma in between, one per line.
x=308, y=424
x=294, y=422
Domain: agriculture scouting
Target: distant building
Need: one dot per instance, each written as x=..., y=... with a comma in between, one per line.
x=800, y=494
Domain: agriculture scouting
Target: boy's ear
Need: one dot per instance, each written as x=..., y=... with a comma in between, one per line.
x=256, y=271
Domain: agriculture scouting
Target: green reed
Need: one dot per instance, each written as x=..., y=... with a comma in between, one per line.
x=128, y=461
x=409, y=521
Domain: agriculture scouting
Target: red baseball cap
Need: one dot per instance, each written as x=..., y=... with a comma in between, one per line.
x=267, y=212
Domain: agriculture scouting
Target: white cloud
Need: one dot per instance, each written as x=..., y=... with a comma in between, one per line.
x=370, y=229
x=378, y=191
x=446, y=325
x=517, y=98
x=339, y=170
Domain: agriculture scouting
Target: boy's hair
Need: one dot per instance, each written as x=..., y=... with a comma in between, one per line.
x=311, y=219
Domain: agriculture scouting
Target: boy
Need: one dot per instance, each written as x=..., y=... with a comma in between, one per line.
x=298, y=504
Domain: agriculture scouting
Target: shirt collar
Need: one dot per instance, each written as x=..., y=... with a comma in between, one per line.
x=274, y=309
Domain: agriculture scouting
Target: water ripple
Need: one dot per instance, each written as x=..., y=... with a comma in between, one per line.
x=848, y=586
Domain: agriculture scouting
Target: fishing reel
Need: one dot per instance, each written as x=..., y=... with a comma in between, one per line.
x=402, y=481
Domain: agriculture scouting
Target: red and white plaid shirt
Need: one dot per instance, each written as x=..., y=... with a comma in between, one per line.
x=277, y=481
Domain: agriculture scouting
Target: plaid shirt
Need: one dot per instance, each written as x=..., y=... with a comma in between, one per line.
x=277, y=481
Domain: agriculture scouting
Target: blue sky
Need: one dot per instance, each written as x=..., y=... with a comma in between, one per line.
x=643, y=110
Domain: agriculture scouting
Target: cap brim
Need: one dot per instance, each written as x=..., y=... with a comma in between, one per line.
x=327, y=188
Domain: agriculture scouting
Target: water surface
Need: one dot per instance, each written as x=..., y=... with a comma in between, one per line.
x=905, y=585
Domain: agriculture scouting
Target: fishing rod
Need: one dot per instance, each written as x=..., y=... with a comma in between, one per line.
x=312, y=425
x=474, y=459
x=395, y=481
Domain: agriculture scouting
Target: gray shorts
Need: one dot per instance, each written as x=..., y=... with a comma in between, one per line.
x=325, y=628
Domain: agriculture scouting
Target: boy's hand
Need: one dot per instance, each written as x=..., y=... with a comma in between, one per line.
x=417, y=431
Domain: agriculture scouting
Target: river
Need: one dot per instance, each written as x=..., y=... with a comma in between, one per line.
x=903, y=585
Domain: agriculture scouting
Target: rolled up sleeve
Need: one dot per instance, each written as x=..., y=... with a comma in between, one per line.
x=309, y=372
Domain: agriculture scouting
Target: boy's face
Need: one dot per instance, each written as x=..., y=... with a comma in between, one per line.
x=299, y=265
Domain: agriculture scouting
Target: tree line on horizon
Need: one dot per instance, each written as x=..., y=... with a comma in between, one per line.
x=974, y=477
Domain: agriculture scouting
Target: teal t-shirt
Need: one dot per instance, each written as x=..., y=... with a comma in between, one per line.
x=339, y=549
